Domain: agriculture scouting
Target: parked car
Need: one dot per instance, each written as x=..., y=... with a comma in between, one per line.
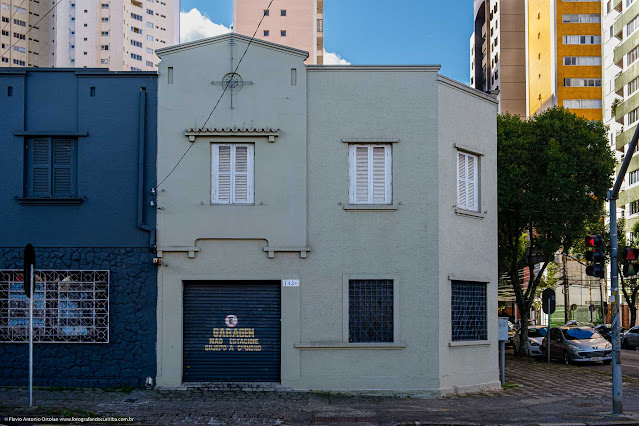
x=512, y=329
x=573, y=323
x=535, y=337
x=605, y=330
x=630, y=339
x=577, y=344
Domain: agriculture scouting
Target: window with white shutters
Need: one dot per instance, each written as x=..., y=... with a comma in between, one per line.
x=370, y=174
x=232, y=174
x=467, y=182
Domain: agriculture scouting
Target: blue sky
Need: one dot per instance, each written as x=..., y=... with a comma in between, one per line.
x=383, y=32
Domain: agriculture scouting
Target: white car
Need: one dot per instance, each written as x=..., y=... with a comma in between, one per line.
x=535, y=337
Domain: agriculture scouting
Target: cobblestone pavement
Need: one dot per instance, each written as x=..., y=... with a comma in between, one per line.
x=537, y=394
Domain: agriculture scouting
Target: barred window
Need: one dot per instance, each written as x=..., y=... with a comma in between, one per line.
x=68, y=307
x=370, y=311
x=469, y=313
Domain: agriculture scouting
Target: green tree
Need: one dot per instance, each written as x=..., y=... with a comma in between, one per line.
x=629, y=286
x=554, y=170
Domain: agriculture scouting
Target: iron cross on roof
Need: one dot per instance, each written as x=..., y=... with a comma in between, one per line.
x=233, y=80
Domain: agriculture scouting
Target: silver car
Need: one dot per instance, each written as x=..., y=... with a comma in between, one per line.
x=535, y=337
x=577, y=344
x=630, y=339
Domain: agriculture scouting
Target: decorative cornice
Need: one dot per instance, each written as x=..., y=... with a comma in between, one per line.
x=53, y=133
x=462, y=87
x=230, y=36
x=233, y=131
x=388, y=68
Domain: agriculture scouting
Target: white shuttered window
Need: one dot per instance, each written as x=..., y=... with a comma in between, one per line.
x=467, y=182
x=370, y=174
x=232, y=173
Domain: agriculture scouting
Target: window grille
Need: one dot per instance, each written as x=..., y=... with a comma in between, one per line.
x=469, y=318
x=370, y=311
x=69, y=306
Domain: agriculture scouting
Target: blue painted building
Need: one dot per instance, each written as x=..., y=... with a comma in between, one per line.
x=77, y=164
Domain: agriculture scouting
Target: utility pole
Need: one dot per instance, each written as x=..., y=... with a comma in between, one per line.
x=566, y=291
x=613, y=195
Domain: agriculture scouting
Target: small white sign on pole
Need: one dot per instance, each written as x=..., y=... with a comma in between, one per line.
x=290, y=283
x=503, y=329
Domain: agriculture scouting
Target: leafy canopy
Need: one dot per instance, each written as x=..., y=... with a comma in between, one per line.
x=554, y=171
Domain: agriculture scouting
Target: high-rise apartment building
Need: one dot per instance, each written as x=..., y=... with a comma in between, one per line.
x=19, y=46
x=621, y=95
x=119, y=34
x=497, y=52
x=294, y=23
x=563, y=61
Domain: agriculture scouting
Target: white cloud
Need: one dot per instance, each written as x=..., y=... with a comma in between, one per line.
x=331, y=58
x=194, y=26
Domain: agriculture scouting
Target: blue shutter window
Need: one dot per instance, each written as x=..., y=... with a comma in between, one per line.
x=40, y=168
x=51, y=168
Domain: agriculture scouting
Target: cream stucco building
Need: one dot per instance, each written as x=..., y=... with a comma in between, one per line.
x=294, y=23
x=121, y=35
x=330, y=227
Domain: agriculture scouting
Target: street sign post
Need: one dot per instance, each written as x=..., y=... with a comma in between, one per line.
x=503, y=338
x=548, y=306
x=28, y=276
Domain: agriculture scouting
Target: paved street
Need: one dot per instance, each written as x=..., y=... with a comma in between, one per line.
x=629, y=363
x=537, y=394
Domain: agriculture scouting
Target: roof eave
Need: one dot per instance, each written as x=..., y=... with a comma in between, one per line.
x=224, y=37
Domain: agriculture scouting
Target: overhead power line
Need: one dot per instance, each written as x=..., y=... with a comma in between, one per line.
x=220, y=98
x=15, y=10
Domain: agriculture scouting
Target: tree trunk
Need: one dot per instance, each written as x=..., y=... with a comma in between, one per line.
x=523, y=332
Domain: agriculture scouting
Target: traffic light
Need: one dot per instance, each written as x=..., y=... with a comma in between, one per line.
x=595, y=256
x=630, y=264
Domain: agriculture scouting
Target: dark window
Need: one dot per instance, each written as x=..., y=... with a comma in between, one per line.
x=283, y=33
x=283, y=12
x=51, y=168
x=266, y=33
x=267, y=12
x=10, y=91
x=468, y=311
x=537, y=332
x=92, y=91
x=580, y=334
x=370, y=311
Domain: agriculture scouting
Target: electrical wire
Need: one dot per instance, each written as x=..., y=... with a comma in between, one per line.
x=220, y=99
x=14, y=14
x=32, y=27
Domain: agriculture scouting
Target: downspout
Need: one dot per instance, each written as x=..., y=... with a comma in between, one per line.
x=141, y=137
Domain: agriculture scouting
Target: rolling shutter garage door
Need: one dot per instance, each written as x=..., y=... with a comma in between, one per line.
x=231, y=331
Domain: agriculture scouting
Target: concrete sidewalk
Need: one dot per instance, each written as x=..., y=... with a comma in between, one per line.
x=537, y=394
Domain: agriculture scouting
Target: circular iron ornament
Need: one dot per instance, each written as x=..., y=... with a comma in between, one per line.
x=234, y=81
x=230, y=320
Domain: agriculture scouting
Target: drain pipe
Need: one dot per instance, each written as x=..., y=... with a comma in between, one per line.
x=141, y=138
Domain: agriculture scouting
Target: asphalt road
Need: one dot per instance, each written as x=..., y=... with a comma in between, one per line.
x=629, y=363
